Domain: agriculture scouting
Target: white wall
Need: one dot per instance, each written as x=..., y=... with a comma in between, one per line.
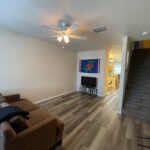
x=126, y=55
x=35, y=69
x=98, y=54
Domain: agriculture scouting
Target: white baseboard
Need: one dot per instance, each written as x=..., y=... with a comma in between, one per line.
x=46, y=99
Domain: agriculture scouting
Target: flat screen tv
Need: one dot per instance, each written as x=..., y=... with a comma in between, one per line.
x=90, y=82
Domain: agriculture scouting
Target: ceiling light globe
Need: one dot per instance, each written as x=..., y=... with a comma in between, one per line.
x=59, y=38
x=145, y=33
x=111, y=60
x=66, y=39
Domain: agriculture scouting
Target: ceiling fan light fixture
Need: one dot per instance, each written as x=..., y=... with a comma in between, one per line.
x=59, y=38
x=66, y=39
x=63, y=31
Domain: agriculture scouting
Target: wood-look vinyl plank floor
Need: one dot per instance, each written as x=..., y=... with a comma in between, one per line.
x=92, y=123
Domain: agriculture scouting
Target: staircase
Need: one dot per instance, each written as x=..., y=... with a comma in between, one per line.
x=137, y=96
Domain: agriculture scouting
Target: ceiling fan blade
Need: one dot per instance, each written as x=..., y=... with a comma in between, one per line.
x=58, y=32
x=71, y=29
x=55, y=27
x=54, y=36
x=78, y=37
x=52, y=29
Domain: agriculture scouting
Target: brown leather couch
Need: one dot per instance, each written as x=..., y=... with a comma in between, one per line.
x=41, y=132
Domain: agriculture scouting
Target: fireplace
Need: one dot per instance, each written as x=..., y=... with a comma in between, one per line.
x=89, y=85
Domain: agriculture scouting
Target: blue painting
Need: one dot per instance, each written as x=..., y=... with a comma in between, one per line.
x=90, y=66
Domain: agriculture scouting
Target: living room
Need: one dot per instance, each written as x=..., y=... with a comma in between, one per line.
x=61, y=81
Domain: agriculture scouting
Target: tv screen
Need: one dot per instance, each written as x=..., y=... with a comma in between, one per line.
x=88, y=81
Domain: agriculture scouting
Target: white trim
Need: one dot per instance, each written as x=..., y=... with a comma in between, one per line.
x=119, y=112
x=46, y=99
x=123, y=74
x=126, y=55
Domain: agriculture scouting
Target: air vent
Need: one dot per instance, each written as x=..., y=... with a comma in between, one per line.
x=101, y=29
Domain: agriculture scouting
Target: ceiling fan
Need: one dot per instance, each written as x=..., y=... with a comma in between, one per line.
x=63, y=31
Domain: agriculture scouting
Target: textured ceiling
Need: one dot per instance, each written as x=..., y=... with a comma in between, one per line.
x=121, y=17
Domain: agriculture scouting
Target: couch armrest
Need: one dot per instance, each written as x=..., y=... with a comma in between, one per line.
x=40, y=136
x=7, y=134
x=12, y=98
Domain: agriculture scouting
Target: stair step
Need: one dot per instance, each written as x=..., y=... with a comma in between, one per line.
x=137, y=99
x=137, y=87
x=138, y=78
x=145, y=82
x=137, y=113
x=140, y=91
x=137, y=104
x=141, y=94
x=143, y=117
x=138, y=74
x=142, y=70
x=139, y=62
x=137, y=107
x=140, y=58
x=136, y=59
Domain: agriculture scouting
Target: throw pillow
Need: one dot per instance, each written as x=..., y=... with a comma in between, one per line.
x=10, y=111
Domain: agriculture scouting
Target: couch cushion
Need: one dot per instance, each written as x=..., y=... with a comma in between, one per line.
x=2, y=98
x=25, y=105
x=37, y=116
